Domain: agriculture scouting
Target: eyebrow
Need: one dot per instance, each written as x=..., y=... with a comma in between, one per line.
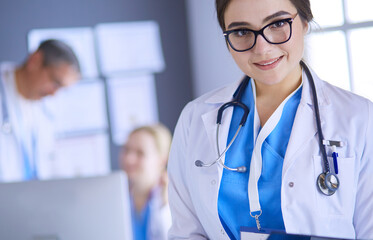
x=270, y=17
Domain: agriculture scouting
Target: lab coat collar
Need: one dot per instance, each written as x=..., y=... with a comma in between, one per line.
x=304, y=116
x=209, y=118
x=224, y=94
x=307, y=98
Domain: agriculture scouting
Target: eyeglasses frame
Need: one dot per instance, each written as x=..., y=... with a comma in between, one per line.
x=260, y=32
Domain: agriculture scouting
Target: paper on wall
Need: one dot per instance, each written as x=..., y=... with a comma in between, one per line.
x=129, y=46
x=132, y=101
x=80, y=108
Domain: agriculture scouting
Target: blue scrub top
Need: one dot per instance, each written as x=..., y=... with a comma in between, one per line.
x=233, y=201
x=140, y=221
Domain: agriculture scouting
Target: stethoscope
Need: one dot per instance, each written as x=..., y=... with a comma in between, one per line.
x=6, y=126
x=327, y=181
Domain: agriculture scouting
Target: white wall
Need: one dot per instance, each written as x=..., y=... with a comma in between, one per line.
x=212, y=64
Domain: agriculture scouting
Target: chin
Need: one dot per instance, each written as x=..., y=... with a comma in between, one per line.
x=269, y=80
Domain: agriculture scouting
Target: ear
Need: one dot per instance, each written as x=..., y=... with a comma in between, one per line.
x=306, y=27
x=163, y=162
x=35, y=60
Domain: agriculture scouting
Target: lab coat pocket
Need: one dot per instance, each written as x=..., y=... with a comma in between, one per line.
x=341, y=201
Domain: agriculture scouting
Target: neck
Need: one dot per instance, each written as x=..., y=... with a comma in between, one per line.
x=269, y=97
x=19, y=78
x=282, y=89
x=140, y=195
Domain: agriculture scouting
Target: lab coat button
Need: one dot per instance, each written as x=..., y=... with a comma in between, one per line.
x=291, y=184
x=222, y=231
x=213, y=182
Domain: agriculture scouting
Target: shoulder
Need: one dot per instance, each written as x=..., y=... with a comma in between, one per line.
x=210, y=100
x=7, y=66
x=346, y=100
x=348, y=108
x=337, y=97
x=341, y=94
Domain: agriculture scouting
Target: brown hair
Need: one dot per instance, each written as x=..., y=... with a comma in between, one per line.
x=303, y=7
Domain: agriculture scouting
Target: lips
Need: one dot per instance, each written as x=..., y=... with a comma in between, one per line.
x=268, y=64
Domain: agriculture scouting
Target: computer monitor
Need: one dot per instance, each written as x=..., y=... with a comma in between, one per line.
x=90, y=208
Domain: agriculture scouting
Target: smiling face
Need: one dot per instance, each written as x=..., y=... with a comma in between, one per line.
x=141, y=159
x=268, y=64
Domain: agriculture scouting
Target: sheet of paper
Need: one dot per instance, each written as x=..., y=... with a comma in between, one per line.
x=81, y=40
x=132, y=103
x=129, y=46
x=254, y=236
x=81, y=156
x=80, y=108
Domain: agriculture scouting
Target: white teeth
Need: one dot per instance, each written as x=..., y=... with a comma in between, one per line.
x=268, y=63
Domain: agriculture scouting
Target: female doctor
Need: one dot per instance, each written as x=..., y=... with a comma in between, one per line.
x=300, y=150
x=144, y=158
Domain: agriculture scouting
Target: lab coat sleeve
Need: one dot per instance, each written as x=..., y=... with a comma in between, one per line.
x=363, y=220
x=185, y=223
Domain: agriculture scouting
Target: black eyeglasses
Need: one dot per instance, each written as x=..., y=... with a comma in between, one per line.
x=244, y=39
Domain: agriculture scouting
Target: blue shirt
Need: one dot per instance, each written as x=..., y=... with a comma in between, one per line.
x=233, y=201
x=140, y=221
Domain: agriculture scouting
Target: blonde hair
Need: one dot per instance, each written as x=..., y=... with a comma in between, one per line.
x=161, y=135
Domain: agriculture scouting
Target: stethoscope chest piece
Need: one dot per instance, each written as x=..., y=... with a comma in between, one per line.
x=328, y=183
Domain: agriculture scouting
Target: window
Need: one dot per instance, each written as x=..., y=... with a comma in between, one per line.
x=340, y=46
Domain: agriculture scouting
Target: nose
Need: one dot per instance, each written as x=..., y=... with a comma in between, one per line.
x=129, y=157
x=261, y=46
x=52, y=91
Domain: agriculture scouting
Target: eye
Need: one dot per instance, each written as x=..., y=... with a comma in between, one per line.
x=278, y=24
x=57, y=83
x=242, y=33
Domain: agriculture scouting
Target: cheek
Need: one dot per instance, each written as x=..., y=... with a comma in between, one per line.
x=129, y=163
x=296, y=43
x=151, y=167
x=242, y=59
x=295, y=48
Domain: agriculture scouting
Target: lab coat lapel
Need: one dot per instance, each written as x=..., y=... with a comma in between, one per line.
x=304, y=129
x=304, y=126
x=209, y=119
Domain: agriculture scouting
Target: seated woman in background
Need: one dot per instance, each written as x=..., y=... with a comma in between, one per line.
x=144, y=158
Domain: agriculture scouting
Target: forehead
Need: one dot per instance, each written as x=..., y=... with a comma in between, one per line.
x=65, y=72
x=63, y=68
x=254, y=12
x=140, y=139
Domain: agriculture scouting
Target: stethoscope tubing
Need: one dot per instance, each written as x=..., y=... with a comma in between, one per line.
x=5, y=125
x=327, y=182
x=317, y=117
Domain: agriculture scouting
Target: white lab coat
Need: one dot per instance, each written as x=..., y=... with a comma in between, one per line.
x=193, y=191
x=11, y=158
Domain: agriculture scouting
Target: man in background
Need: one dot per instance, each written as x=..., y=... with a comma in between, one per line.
x=27, y=136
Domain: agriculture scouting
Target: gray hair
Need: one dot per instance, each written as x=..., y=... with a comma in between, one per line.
x=55, y=52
